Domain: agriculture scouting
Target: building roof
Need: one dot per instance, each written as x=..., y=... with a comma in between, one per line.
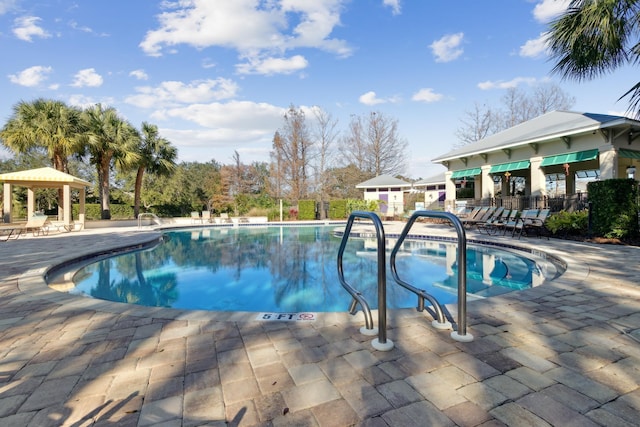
x=436, y=179
x=43, y=177
x=552, y=125
x=383, y=181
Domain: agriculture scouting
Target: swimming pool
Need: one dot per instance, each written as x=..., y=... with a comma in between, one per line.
x=289, y=269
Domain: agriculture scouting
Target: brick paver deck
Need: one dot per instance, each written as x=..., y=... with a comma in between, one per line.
x=566, y=353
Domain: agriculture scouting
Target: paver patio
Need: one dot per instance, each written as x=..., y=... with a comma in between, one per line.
x=564, y=353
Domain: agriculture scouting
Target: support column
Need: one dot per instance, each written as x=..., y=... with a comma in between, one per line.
x=7, y=202
x=488, y=187
x=537, y=178
x=81, y=207
x=608, y=158
x=31, y=202
x=570, y=183
x=67, y=204
x=450, y=190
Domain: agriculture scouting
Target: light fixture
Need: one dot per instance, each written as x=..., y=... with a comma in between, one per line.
x=631, y=172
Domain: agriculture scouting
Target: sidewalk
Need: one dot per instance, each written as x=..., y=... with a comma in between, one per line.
x=564, y=353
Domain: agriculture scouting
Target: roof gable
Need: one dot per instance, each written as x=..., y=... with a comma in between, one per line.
x=383, y=181
x=551, y=125
x=43, y=175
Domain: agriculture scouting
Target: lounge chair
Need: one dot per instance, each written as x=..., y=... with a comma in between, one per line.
x=10, y=232
x=195, y=217
x=206, y=216
x=224, y=218
x=524, y=219
x=483, y=216
x=466, y=214
x=36, y=225
x=490, y=226
x=537, y=225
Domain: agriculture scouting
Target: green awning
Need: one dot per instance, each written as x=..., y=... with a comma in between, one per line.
x=628, y=154
x=579, y=156
x=513, y=166
x=466, y=172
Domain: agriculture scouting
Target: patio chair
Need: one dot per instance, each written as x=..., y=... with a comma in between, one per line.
x=490, y=226
x=206, y=216
x=483, y=216
x=523, y=221
x=10, y=232
x=36, y=225
x=537, y=225
x=224, y=217
x=466, y=214
x=195, y=217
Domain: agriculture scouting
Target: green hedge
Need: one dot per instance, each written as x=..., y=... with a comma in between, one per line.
x=338, y=209
x=93, y=211
x=614, y=207
x=306, y=210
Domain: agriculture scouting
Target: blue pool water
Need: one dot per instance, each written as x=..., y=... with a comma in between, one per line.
x=289, y=269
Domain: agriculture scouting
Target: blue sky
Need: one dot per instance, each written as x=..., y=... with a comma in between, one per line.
x=217, y=75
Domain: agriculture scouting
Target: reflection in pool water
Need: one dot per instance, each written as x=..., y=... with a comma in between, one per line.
x=289, y=269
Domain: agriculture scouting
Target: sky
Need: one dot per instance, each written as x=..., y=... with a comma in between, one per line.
x=217, y=76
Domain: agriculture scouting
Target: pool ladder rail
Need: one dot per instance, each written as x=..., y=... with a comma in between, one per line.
x=153, y=217
x=440, y=321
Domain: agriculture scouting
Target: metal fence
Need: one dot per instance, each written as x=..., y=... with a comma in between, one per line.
x=569, y=203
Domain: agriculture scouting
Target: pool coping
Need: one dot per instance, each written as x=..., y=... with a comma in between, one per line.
x=32, y=284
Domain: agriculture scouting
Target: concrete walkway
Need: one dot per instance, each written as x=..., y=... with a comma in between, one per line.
x=566, y=353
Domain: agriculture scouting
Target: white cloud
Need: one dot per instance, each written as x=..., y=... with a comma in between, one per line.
x=139, y=74
x=26, y=28
x=394, y=5
x=271, y=66
x=87, y=77
x=173, y=93
x=253, y=119
x=447, y=48
x=427, y=95
x=269, y=28
x=488, y=85
x=6, y=6
x=370, y=98
x=535, y=48
x=547, y=10
x=31, y=76
x=84, y=101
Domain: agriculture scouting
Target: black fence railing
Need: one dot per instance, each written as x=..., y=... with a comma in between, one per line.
x=569, y=202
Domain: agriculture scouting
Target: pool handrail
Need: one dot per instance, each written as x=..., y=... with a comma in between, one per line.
x=381, y=343
x=152, y=216
x=461, y=333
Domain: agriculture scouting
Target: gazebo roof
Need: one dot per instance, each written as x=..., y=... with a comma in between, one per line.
x=43, y=177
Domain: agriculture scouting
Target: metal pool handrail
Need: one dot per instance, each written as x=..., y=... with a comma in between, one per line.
x=461, y=333
x=150, y=215
x=381, y=343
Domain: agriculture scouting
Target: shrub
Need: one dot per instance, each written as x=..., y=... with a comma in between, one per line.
x=614, y=208
x=338, y=209
x=306, y=210
x=568, y=223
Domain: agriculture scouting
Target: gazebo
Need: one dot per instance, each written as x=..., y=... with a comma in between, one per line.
x=44, y=178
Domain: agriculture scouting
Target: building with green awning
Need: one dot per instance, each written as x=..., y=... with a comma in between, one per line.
x=559, y=143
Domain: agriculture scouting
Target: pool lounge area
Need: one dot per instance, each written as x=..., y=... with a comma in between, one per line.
x=566, y=352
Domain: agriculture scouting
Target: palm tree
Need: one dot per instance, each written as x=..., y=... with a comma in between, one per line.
x=112, y=141
x=593, y=38
x=48, y=124
x=157, y=156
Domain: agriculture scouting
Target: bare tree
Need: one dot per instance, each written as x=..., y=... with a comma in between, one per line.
x=325, y=134
x=478, y=123
x=291, y=152
x=375, y=145
x=518, y=106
